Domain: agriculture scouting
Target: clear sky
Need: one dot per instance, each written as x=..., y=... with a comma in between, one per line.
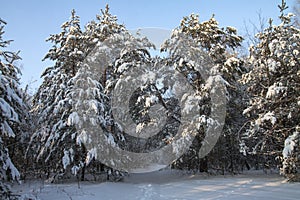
x=30, y=22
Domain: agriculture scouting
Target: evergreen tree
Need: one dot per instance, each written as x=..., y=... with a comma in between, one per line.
x=121, y=52
x=88, y=94
x=54, y=139
x=61, y=148
x=273, y=83
x=105, y=26
x=217, y=47
x=13, y=117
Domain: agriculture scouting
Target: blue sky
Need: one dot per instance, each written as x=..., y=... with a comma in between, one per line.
x=30, y=22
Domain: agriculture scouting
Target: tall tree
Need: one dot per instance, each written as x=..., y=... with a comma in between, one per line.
x=54, y=140
x=273, y=83
x=217, y=45
x=60, y=144
x=118, y=48
x=96, y=102
x=14, y=114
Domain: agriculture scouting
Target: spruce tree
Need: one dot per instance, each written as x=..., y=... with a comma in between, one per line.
x=102, y=28
x=273, y=83
x=107, y=36
x=54, y=139
x=58, y=138
x=217, y=46
x=14, y=115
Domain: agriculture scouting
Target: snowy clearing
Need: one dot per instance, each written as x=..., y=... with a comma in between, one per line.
x=167, y=185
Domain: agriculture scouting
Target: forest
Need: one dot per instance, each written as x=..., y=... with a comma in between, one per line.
x=247, y=99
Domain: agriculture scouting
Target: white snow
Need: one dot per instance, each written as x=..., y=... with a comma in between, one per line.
x=82, y=138
x=66, y=159
x=247, y=110
x=75, y=170
x=150, y=100
x=73, y=119
x=7, y=110
x=7, y=129
x=290, y=144
x=90, y=155
x=156, y=35
x=79, y=52
x=269, y=116
x=232, y=29
x=150, y=168
x=15, y=174
x=149, y=75
x=159, y=83
x=139, y=128
x=71, y=37
x=232, y=61
x=110, y=140
x=169, y=184
x=169, y=93
x=93, y=106
x=275, y=90
x=123, y=67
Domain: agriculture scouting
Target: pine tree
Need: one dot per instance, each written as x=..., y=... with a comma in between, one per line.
x=13, y=117
x=273, y=83
x=60, y=144
x=106, y=36
x=54, y=139
x=105, y=26
x=97, y=33
x=89, y=98
x=216, y=45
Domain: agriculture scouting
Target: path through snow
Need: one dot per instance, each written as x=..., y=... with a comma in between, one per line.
x=165, y=185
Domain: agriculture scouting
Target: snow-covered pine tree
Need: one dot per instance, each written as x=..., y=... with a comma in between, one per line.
x=104, y=28
x=137, y=57
x=125, y=50
x=217, y=45
x=274, y=85
x=54, y=139
x=14, y=114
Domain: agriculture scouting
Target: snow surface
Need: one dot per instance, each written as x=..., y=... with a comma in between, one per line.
x=168, y=184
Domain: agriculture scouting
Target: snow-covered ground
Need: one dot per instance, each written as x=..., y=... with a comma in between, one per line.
x=169, y=185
